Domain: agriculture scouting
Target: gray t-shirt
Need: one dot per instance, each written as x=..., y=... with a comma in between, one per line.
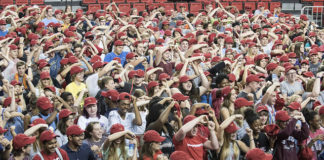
x=314, y=67
x=290, y=89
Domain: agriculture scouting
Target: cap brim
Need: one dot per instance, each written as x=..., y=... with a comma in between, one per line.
x=268, y=156
x=30, y=140
x=89, y=104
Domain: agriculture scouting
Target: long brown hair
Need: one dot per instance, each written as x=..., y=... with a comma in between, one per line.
x=112, y=150
x=226, y=148
x=147, y=150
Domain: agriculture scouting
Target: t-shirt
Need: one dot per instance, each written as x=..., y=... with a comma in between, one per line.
x=83, y=153
x=92, y=84
x=52, y=156
x=290, y=89
x=46, y=21
x=75, y=89
x=61, y=139
x=130, y=88
x=114, y=118
x=314, y=67
x=318, y=146
x=110, y=56
x=83, y=121
x=193, y=146
x=55, y=64
x=262, y=142
x=52, y=125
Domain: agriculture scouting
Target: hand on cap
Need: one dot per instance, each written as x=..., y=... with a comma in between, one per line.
x=203, y=119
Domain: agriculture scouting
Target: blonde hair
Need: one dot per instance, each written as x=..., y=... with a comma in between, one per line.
x=112, y=151
x=293, y=98
x=226, y=148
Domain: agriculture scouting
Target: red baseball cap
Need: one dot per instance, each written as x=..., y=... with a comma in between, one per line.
x=164, y=76
x=119, y=43
x=125, y=96
x=130, y=55
x=89, y=101
x=179, y=97
x=116, y=128
x=45, y=75
x=282, y=116
x=226, y=90
x=241, y=102
x=98, y=64
x=73, y=59
x=188, y=118
x=232, y=128
x=184, y=79
x=2, y=130
x=284, y=58
x=37, y=121
x=64, y=61
x=42, y=65
x=253, y=78
x=294, y=106
x=257, y=154
x=262, y=108
x=7, y=101
x=65, y=113
x=47, y=135
x=111, y=94
x=231, y=77
x=272, y=66
x=15, y=82
x=75, y=70
x=44, y=103
x=304, y=61
x=321, y=110
x=272, y=129
x=21, y=140
x=290, y=67
x=95, y=59
x=313, y=52
x=132, y=74
x=152, y=84
x=152, y=136
x=140, y=73
x=74, y=130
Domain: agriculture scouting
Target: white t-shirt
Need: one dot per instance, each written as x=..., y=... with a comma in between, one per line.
x=83, y=121
x=114, y=118
x=92, y=84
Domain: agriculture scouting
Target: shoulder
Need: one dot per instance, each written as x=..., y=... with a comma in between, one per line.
x=36, y=157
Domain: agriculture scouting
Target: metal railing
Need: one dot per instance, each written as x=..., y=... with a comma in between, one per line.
x=314, y=13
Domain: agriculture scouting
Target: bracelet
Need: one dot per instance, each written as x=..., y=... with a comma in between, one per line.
x=251, y=139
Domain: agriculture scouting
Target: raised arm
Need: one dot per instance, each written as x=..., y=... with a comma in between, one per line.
x=181, y=134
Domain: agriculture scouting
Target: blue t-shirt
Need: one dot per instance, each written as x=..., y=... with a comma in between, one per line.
x=3, y=33
x=15, y=121
x=110, y=56
x=55, y=64
x=83, y=153
x=47, y=21
x=53, y=124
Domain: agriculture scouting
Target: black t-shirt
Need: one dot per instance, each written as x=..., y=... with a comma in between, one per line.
x=262, y=142
x=245, y=95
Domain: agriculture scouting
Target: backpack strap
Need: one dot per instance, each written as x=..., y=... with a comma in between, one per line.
x=40, y=155
x=58, y=153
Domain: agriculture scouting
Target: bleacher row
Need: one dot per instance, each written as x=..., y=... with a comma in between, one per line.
x=140, y=5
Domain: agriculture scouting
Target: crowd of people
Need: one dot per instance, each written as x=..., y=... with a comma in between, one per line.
x=160, y=84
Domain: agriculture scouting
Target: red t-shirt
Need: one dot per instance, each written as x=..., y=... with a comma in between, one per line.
x=194, y=146
x=52, y=156
x=156, y=154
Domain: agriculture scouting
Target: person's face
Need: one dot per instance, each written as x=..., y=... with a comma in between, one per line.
x=256, y=126
x=77, y=139
x=210, y=27
x=282, y=19
x=50, y=146
x=49, y=94
x=263, y=115
x=70, y=100
x=263, y=63
x=124, y=105
x=49, y=12
x=264, y=41
x=119, y=49
x=70, y=120
x=305, y=67
x=233, y=136
x=292, y=60
x=199, y=27
x=255, y=50
x=187, y=85
x=152, y=77
x=46, y=69
x=291, y=75
x=110, y=85
x=92, y=110
x=141, y=29
x=79, y=77
x=229, y=55
x=302, y=49
x=58, y=16
x=156, y=89
x=254, y=86
x=77, y=50
x=138, y=80
x=14, y=53
x=156, y=146
x=233, y=95
x=21, y=70
x=282, y=124
x=27, y=149
x=177, y=34
x=225, y=82
x=46, y=82
x=316, y=122
x=272, y=99
x=184, y=45
x=140, y=49
x=97, y=131
x=229, y=45
x=193, y=132
x=314, y=58
x=103, y=22
x=166, y=56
